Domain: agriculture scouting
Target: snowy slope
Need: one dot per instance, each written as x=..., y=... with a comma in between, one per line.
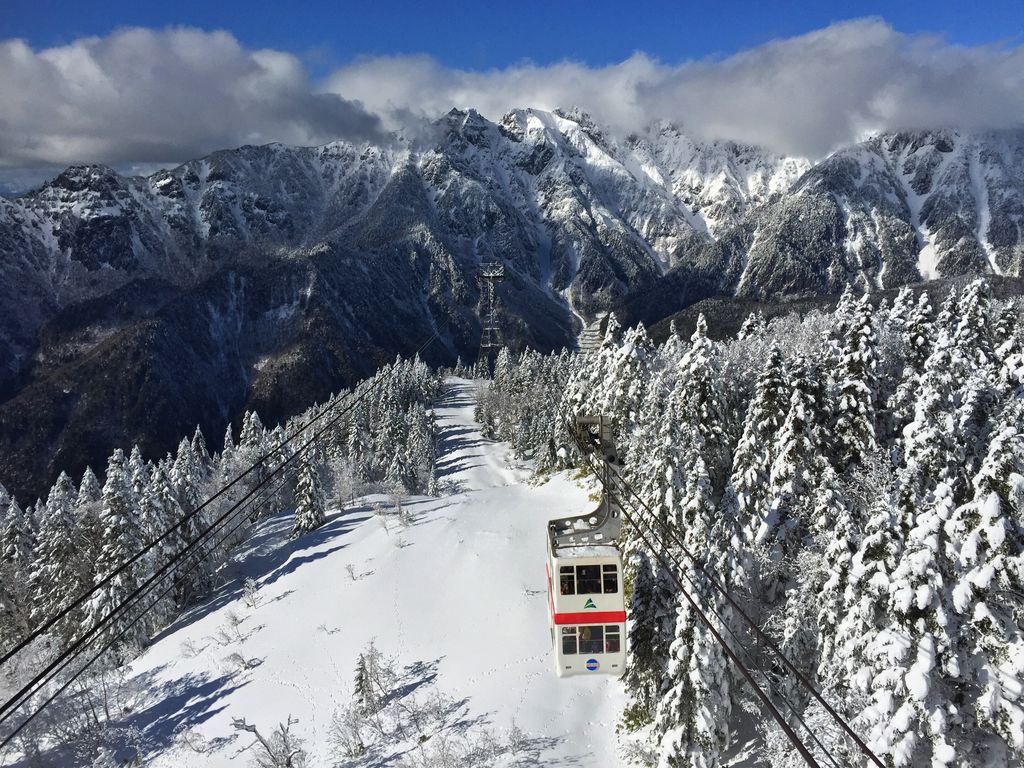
x=460, y=592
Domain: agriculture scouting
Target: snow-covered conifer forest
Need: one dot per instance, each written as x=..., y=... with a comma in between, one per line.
x=59, y=547
x=852, y=479
x=856, y=481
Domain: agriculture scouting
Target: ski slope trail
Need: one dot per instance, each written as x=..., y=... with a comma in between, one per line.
x=457, y=597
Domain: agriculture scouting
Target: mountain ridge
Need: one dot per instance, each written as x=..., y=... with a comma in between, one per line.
x=273, y=275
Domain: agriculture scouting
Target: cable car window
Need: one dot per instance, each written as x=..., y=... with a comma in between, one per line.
x=588, y=579
x=567, y=580
x=611, y=579
x=611, y=639
x=568, y=640
x=591, y=639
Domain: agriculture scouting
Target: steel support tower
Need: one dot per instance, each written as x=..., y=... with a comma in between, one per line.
x=488, y=277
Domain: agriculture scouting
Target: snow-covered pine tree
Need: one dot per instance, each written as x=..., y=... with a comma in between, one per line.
x=813, y=607
x=691, y=721
x=843, y=318
x=365, y=697
x=855, y=395
x=745, y=494
x=158, y=512
x=60, y=571
x=644, y=670
x=930, y=451
x=698, y=403
x=121, y=539
x=916, y=339
x=902, y=309
x=865, y=601
x=626, y=378
x=309, y=500
x=1010, y=357
x=17, y=551
x=201, y=452
x=481, y=369
x=422, y=450
x=911, y=660
x=796, y=471
x=986, y=542
x=186, y=478
x=837, y=531
x=753, y=326
x=972, y=339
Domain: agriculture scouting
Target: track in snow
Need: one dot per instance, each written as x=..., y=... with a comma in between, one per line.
x=459, y=594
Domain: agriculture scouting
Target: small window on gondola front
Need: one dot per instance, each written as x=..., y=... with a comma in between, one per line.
x=611, y=639
x=568, y=640
x=591, y=639
x=567, y=580
x=610, y=575
x=588, y=579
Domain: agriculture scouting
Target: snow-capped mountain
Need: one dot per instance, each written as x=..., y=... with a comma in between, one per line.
x=893, y=210
x=131, y=308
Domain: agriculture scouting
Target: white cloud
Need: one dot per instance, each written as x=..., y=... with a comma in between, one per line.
x=802, y=95
x=141, y=96
x=144, y=96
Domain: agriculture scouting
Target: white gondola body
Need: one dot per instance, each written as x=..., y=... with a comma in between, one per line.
x=587, y=611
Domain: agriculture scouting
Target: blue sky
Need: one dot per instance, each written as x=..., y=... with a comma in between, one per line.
x=484, y=34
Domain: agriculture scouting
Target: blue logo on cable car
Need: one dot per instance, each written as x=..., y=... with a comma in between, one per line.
x=592, y=665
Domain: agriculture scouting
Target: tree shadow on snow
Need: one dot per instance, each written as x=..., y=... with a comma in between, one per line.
x=173, y=706
x=268, y=555
x=460, y=464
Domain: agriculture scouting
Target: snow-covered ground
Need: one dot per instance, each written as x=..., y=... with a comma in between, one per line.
x=458, y=598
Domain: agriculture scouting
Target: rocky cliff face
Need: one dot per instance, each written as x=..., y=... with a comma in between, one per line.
x=133, y=308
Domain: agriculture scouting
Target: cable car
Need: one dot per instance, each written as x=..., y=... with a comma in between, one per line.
x=587, y=613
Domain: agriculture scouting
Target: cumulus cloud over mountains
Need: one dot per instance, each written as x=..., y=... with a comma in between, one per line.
x=802, y=95
x=143, y=96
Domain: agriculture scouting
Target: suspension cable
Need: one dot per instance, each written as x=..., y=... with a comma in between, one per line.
x=117, y=637
x=761, y=635
x=766, y=701
x=49, y=623
x=109, y=616
x=801, y=678
x=748, y=654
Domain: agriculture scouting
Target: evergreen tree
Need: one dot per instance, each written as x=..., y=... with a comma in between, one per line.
x=60, y=572
x=795, y=473
x=753, y=326
x=309, y=501
x=855, y=398
x=698, y=403
x=910, y=660
x=754, y=456
x=972, y=339
x=986, y=542
x=644, y=670
x=185, y=476
x=90, y=490
x=16, y=555
x=158, y=513
x=121, y=539
x=626, y=377
x=692, y=717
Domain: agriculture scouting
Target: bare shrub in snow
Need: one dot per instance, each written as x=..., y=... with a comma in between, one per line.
x=192, y=740
x=189, y=649
x=251, y=593
x=231, y=630
x=282, y=749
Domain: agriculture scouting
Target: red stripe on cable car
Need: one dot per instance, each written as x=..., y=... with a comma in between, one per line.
x=591, y=617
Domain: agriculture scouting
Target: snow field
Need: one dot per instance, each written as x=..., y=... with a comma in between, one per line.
x=459, y=593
